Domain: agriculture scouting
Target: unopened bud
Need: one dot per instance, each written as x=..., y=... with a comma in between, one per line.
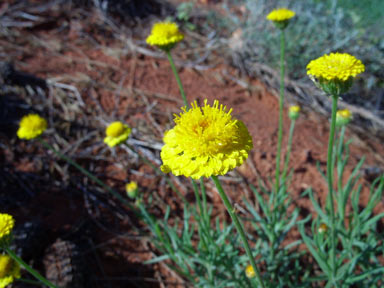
x=343, y=117
x=250, y=272
x=132, y=189
x=322, y=228
x=294, y=112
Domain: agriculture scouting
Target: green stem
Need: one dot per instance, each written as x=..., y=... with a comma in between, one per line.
x=29, y=268
x=174, y=70
x=291, y=129
x=330, y=185
x=281, y=106
x=197, y=196
x=340, y=170
x=204, y=196
x=88, y=174
x=239, y=228
x=158, y=172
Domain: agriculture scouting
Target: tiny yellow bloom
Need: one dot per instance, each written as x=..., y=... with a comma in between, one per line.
x=164, y=35
x=294, y=112
x=250, y=272
x=281, y=17
x=31, y=126
x=335, y=72
x=132, y=189
x=6, y=225
x=9, y=270
x=343, y=117
x=322, y=228
x=205, y=141
x=117, y=133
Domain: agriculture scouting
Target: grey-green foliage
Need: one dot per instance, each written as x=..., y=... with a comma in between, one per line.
x=272, y=221
x=210, y=256
x=319, y=27
x=359, y=242
x=206, y=256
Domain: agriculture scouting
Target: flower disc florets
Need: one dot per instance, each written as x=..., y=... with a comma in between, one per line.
x=206, y=141
x=6, y=225
x=9, y=270
x=281, y=17
x=31, y=126
x=343, y=117
x=164, y=35
x=117, y=133
x=335, y=72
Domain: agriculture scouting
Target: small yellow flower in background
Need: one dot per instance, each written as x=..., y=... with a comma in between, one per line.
x=6, y=225
x=9, y=270
x=117, y=133
x=165, y=35
x=322, y=228
x=250, y=272
x=294, y=112
x=31, y=126
x=205, y=141
x=281, y=17
x=343, y=117
x=335, y=72
x=132, y=189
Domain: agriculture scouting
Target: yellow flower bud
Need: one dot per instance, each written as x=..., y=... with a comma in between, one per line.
x=294, y=112
x=250, y=272
x=132, y=189
x=343, y=117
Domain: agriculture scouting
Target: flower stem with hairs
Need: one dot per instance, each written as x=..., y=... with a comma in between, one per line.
x=281, y=106
x=174, y=70
x=289, y=147
x=239, y=228
x=330, y=169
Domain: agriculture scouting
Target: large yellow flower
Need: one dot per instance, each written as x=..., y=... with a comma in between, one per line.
x=6, y=225
x=205, y=141
x=9, y=270
x=280, y=15
x=335, y=72
x=117, y=133
x=335, y=66
x=165, y=35
x=31, y=126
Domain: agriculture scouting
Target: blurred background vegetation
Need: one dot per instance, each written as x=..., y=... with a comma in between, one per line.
x=320, y=27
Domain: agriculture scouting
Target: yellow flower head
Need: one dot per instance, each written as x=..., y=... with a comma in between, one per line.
x=250, y=272
x=132, y=189
x=294, y=112
x=31, y=126
x=6, y=225
x=335, y=72
x=165, y=35
x=205, y=141
x=281, y=17
x=117, y=133
x=343, y=117
x=9, y=270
